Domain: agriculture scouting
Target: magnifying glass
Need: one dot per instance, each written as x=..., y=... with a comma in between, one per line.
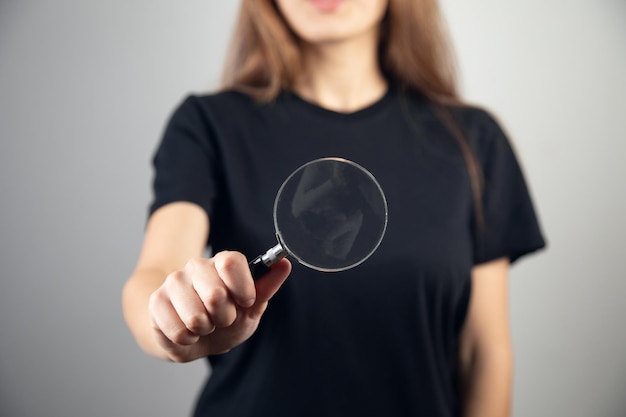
x=330, y=215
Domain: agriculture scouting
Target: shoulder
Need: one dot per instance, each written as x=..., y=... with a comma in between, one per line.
x=229, y=108
x=473, y=119
x=476, y=120
x=481, y=128
x=223, y=102
x=473, y=123
x=224, y=98
x=207, y=114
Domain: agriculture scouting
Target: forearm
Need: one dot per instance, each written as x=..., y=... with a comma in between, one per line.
x=175, y=233
x=135, y=298
x=487, y=379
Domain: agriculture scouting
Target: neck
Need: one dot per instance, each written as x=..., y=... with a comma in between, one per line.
x=342, y=76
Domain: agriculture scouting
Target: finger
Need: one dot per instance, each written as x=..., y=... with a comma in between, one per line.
x=233, y=269
x=176, y=353
x=188, y=305
x=166, y=320
x=215, y=298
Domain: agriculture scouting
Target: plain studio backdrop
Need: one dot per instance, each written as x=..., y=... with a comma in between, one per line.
x=85, y=90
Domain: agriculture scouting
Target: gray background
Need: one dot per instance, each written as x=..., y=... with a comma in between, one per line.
x=85, y=88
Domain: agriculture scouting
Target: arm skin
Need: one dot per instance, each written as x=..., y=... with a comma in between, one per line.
x=486, y=354
x=182, y=307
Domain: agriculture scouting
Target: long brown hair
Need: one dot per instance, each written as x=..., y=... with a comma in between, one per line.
x=414, y=52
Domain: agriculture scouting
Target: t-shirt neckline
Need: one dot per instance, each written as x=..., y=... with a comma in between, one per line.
x=363, y=113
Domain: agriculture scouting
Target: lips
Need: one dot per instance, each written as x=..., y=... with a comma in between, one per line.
x=326, y=6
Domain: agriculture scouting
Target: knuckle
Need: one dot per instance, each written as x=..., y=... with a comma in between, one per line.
x=230, y=318
x=179, y=335
x=226, y=318
x=176, y=277
x=229, y=262
x=197, y=323
x=156, y=299
x=216, y=298
x=193, y=263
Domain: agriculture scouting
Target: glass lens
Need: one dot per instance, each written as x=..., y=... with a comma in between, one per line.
x=330, y=214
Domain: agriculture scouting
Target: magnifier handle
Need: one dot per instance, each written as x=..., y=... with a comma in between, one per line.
x=260, y=265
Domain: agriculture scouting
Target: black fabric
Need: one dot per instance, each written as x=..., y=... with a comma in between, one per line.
x=379, y=339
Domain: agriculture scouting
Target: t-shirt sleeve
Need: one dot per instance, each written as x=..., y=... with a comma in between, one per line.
x=184, y=162
x=510, y=227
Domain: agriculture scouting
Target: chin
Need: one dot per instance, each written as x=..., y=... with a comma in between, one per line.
x=331, y=21
x=323, y=31
x=324, y=37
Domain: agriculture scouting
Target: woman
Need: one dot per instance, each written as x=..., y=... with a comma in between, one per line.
x=421, y=328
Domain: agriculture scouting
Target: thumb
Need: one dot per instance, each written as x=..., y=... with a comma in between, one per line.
x=269, y=284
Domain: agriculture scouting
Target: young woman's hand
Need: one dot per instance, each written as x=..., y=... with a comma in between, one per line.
x=211, y=305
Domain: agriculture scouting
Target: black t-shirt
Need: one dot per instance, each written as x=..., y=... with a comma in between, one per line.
x=378, y=339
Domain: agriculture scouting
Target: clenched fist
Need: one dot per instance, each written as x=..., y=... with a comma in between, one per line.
x=211, y=305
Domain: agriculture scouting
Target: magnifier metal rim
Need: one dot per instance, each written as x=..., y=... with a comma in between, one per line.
x=286, y=247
